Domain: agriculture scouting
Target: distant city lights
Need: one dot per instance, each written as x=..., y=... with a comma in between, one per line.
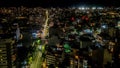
x=104, y=26
x=93, y=8
x=87, y=8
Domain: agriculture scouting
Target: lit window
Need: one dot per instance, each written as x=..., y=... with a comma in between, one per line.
x=0, y=50
x=1, y=59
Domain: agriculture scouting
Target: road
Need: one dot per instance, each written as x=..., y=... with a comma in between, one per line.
x=37, y=62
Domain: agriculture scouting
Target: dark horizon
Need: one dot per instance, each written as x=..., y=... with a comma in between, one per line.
x=58, y=3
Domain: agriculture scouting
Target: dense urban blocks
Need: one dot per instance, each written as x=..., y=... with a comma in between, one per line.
x=59, y=37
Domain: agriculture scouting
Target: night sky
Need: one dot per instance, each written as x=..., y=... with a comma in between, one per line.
x=58, y=3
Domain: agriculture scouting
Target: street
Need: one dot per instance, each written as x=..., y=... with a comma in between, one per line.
x=37, y=62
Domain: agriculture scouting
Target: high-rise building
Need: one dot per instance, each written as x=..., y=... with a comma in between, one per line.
x=50, y=59
x=6, y=52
